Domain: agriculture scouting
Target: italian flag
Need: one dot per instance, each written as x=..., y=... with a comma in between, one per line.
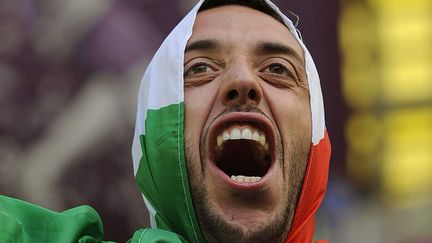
x=158, y=145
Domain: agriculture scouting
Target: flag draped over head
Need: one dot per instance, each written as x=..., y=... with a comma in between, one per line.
x=158, y=146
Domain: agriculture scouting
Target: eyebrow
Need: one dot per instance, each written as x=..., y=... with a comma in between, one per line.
x=265, y=48
x=262, y=48
x=201, y=45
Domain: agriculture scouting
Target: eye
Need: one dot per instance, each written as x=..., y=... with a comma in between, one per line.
x=278, y=69
x=200, y=71
x=198, y=68
x=278, y=72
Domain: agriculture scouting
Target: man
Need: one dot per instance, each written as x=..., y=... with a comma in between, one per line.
x=251, y=164
x=230, y=142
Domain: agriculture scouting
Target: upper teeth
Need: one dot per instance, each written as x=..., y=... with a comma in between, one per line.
x=242, y=179
x=246, y=132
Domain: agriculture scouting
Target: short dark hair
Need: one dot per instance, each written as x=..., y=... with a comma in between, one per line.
x=259, y=5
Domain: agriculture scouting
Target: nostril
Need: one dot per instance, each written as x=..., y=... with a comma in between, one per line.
x=233, y=94
x=252, y=94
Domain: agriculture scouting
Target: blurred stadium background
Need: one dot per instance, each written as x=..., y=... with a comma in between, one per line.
x=69, y=73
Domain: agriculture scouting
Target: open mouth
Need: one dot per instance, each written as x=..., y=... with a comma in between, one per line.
x=243, y=150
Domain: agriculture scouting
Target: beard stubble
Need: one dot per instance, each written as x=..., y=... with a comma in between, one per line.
x=217, y=229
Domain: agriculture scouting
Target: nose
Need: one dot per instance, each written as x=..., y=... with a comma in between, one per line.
x=240, y=86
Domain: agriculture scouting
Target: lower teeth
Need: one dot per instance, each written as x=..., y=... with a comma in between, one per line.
x=247, y=179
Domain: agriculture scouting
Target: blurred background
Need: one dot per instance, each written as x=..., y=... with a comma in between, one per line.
x=69, y=76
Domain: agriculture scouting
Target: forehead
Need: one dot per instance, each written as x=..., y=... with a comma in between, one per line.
x=240, y=26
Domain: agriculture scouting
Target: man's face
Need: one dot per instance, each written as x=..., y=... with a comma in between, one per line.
x=248, y=124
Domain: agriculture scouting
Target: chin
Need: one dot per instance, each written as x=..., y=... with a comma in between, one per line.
x=220, y=225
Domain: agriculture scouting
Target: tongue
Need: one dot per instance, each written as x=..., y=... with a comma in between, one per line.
x=242, y=157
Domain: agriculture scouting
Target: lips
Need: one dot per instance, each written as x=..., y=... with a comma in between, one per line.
x=241, y=147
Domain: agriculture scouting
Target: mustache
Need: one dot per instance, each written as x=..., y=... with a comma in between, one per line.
x=240, y=108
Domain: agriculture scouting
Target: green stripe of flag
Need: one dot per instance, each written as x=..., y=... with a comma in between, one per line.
x=162, y=173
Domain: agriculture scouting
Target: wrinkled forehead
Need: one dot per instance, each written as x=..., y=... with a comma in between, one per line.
x=242, y=25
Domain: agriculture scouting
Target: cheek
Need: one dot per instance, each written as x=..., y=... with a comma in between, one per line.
x=197, y=108
x=291, y=111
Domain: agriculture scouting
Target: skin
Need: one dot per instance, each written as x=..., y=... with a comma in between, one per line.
x=240, y=61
